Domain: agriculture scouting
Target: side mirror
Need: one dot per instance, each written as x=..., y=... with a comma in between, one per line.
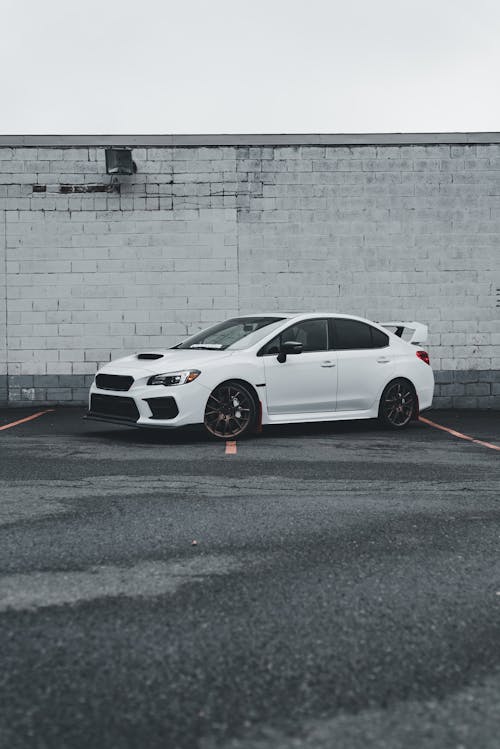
x=289, y=347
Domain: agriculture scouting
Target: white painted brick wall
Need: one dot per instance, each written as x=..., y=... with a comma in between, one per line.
x=358, y=234
x=100, y=274
x=197, y=234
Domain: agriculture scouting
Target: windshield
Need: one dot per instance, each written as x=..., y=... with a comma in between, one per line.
x=237, y=333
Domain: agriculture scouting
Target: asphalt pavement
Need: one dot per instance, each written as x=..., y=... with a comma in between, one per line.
x=330, y=586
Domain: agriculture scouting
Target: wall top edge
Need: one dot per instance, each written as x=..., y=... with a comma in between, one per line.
x=314, y=139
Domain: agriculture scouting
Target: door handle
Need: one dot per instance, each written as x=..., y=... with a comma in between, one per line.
x=328, y=364
x=383, y=360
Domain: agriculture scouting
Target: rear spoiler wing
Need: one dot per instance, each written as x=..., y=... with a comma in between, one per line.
x=412, y=332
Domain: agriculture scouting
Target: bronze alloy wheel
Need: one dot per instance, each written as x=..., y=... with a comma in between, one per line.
x=230, y=411
x=397, y=404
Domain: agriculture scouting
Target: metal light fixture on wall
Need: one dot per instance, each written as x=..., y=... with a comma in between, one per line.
x=119, y=161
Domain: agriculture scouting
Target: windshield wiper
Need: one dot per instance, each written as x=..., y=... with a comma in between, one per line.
x=208, y=346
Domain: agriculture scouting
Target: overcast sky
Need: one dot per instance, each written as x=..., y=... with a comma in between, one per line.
x=229, y=66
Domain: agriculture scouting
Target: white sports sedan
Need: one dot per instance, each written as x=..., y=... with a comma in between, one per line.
x=271, y=369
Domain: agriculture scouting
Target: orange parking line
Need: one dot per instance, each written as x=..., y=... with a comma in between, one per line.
x=231, y=448
x=459, y=434
x=28, y=418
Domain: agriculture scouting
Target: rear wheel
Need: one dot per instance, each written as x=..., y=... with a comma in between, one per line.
x=230, y=411
x=397, y=404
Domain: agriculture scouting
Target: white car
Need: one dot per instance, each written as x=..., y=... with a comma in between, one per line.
x=271, y=368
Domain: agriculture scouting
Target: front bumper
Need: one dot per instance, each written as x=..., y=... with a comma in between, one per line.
x=150, y=405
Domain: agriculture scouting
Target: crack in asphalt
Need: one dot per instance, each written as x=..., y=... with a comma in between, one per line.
x=28, y=500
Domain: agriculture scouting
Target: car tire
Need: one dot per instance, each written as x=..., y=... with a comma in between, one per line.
x=398, y=404
x=231, y=411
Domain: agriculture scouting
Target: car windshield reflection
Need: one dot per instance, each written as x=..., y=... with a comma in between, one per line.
x=237, y=333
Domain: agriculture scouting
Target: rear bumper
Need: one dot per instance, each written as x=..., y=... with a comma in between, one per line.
x=425, y=395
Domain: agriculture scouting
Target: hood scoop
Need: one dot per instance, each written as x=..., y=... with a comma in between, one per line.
x=150, y=356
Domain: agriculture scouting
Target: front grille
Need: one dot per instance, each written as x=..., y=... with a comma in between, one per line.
x=113, y=382
x=113, y=405
x=163, y=408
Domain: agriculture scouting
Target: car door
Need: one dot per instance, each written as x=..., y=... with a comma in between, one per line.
x=305, y=382
x=364, y=361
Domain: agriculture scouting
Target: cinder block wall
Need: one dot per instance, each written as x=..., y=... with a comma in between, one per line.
x=3, y=306
x=387, y=230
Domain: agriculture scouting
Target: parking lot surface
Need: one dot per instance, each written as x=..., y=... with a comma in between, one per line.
x=314, y=586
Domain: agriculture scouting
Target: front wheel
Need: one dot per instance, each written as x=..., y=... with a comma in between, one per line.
x=397, y=404
x=230, y=411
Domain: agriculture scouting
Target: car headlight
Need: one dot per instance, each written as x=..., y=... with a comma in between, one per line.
x=175, y=378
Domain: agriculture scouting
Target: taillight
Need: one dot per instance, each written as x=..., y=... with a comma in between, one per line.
x=424, y=356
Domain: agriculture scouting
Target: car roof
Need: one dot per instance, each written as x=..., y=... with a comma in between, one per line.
x=304, y=315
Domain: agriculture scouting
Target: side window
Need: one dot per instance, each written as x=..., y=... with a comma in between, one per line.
x=313, y=334
x=353, y=334
x=379, y=339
